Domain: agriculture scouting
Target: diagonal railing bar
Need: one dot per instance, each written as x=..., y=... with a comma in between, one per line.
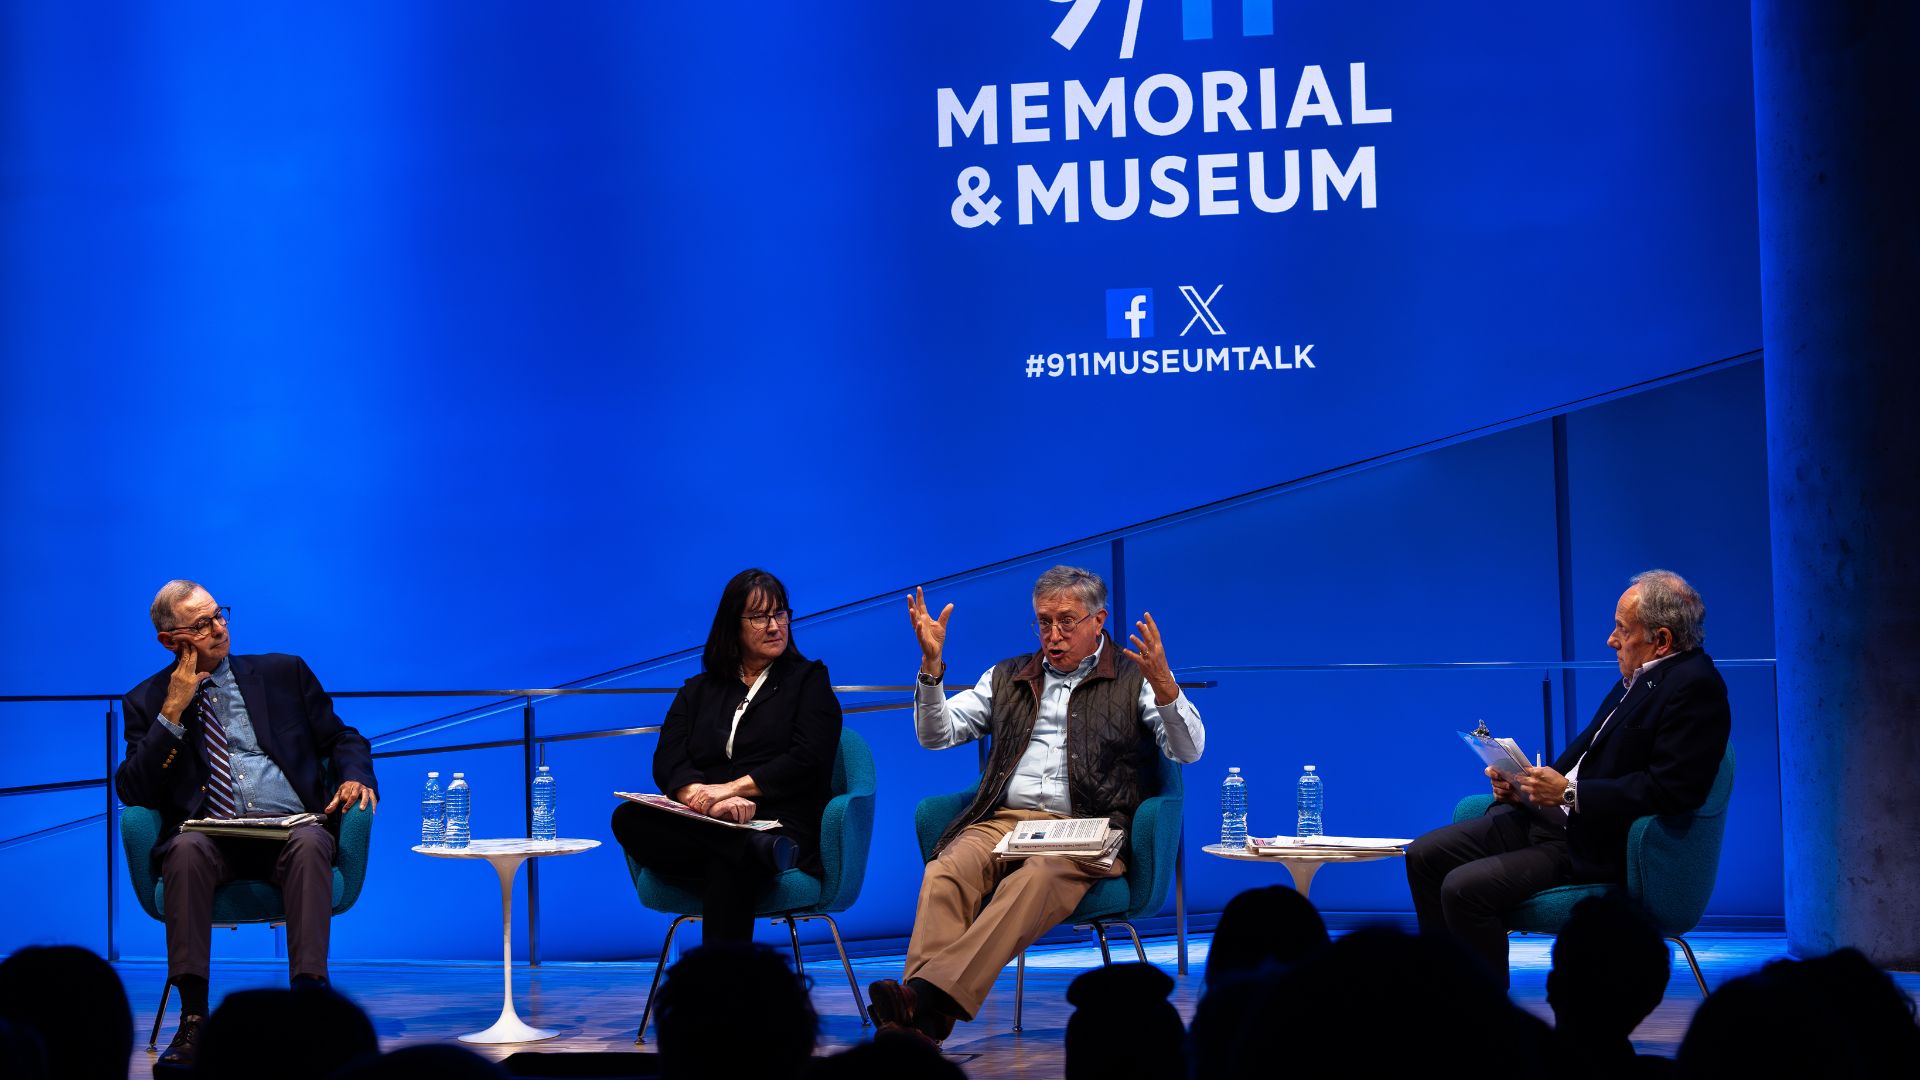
x=52, y=830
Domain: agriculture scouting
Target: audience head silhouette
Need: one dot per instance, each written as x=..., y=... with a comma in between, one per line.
x=1123, y=1026
x=735, y=1009
x=306, y=1034
x=72, y=1003
x=1274, y=924
x=1610, y=968
x=1834, y=1015
x=892, y=1055
x=432, y=1061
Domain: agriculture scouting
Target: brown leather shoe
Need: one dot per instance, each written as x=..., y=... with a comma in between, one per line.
x=896, y=1005
x=186, y=1043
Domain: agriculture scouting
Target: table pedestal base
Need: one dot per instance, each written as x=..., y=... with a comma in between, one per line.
x=509, y=1028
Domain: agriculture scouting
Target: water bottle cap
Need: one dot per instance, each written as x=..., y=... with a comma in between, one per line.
x=1309, y=768
x=1234, y=770
x=543, y=768
x=431, y=774
x=459, y=776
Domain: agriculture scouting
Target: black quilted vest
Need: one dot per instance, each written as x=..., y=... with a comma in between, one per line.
x=1110, y=751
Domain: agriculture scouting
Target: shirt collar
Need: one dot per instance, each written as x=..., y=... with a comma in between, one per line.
x=1646, y=667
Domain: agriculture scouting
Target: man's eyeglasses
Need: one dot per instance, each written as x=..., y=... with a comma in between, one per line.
x=1043, y=627
x=200, y=629
x=771, y=618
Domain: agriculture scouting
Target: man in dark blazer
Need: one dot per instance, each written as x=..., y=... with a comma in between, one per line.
x=1654, y=747
x=214, y=735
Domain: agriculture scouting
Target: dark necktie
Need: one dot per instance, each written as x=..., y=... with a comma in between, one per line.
x=220, y=801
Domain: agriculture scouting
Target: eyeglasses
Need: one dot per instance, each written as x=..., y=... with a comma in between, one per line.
x=771, y=618
x=1043, y=627
x=200, y=629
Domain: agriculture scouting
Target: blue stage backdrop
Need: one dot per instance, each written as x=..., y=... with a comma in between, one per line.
x=474, y=344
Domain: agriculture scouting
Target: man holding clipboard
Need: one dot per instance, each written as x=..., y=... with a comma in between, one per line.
x=1654, y=747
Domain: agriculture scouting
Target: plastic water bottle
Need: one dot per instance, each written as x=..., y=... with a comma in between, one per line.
x=1233, y=810
x=544, y=827
x=459, y=812
x=433, y=813
x=1313, y=796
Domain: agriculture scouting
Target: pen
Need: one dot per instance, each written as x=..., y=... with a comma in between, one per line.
x=1536, y=761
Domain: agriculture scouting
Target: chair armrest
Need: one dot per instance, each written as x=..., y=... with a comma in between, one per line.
x=350, y=856
x=1471, y=807
x=139, y=835
x=932, y=816
x=1155, y=843
x=846, y=833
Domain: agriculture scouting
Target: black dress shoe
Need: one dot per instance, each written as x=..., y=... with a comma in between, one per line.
x=778, y=852
x=186, y=1043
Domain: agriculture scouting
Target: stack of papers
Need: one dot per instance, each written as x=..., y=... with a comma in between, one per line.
x=1326, y=845
x=1503, y=755
x=1092, y=841
x=679, y=809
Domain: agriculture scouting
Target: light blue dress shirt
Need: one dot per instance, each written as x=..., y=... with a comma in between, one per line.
x=1039, y=780
x=259, y=787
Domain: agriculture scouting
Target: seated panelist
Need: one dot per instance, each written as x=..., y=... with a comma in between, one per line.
x=752, y=736
x=1654, y=747
x=1075, y=727
x=213, y=735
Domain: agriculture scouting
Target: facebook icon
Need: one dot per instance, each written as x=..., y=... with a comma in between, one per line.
x=1129, y=313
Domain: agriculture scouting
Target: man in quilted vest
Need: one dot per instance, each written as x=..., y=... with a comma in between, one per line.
x=1074, y=728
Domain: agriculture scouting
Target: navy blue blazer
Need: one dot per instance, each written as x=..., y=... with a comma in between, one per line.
x=292, y=716
x=1658, y=755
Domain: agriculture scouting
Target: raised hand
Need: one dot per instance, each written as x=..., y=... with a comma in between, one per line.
x=1151, y=654
x=931, y=632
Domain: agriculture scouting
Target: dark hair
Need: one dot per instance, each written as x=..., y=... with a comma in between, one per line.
x=722, y=655
x=1273, y=923
x=72, y=1001
x=1610, y=968
x=701, y=1005
x=1832, y=1015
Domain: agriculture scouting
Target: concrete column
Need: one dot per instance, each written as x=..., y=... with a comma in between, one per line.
x=1837, y=116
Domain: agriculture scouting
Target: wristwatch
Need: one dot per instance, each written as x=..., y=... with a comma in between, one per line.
x=933, y=678
x=1568, y=799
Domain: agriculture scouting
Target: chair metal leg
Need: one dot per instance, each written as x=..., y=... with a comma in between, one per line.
x=859, y=1002
x=1139, y=950
x=1687, y=950
x=659, y=966
x=1100, y=932
x=799, y=965
x=153, y=1038
x=1019, y=988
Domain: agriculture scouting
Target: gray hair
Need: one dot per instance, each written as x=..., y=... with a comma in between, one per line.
x=1085, y=585
x=1667, y=600
x=163, y=601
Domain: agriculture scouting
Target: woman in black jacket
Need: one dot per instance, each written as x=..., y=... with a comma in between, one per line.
x=752, y=736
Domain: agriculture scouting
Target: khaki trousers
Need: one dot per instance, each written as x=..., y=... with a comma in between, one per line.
x=977, y=913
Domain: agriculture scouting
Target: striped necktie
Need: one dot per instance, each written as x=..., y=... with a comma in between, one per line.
x=220, y=801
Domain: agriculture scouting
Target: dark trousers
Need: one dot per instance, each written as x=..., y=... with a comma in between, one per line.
x=193, y=865
x=727, y=868
x=1467, y=876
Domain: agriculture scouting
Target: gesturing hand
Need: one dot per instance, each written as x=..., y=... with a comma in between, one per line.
x=736, y=809
x=932, y=632
x=1151, y=655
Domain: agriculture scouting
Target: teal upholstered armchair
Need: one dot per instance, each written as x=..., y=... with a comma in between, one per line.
x=1141, y=892
x=1672, y=860
x=846, y=832
x=244, y=900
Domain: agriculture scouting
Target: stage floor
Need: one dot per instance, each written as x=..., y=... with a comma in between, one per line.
x=596, y=1006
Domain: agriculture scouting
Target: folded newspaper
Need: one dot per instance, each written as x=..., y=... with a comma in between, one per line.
x=1090, y=841
x=680, y=809
x=264, y=828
